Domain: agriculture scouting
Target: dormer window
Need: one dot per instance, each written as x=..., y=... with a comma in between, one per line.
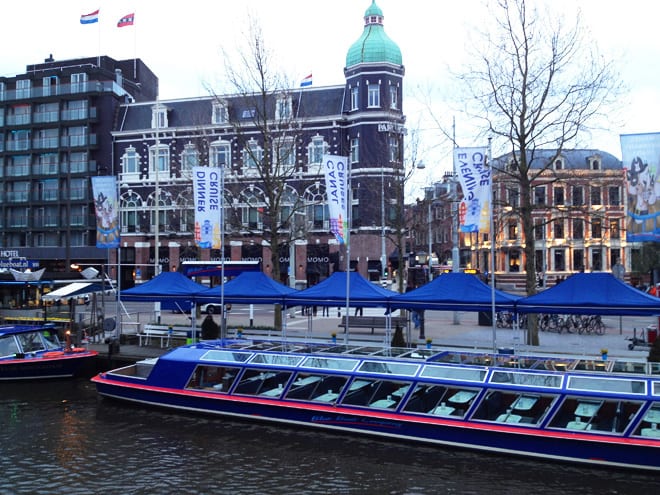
x=283, y=109
x=159, y=117
x=595, y=164
x=220, y=112
x=559, y=164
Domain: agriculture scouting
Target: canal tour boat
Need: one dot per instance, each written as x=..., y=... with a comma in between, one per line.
x=594, y=411
x=33, y=352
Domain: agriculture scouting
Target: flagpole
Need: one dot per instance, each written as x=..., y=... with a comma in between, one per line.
x=134, y=49
x=492, y=248
x=349, y=201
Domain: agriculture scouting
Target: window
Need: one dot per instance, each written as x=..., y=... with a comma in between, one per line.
x=46, y=112
x=78, y=162
x=283, y=109
x=539, y=229
x=78, y=189
x=578, y=260
x=578, y=196
x=285, y=152
x=395, y=153
x=248, y=113
x=512, y=230
x=131, y=204
x=578, y=228
x=355, y=98
x=46, y=138
x=539, y=195
x=558, y=227
x=75, y=110
x=253, y=155
x=159, y=117
x=48, y=164
x=596, y=259
x=394, y=104
x=220, y=154
x=49, y=85
x=558, y=193
x=78, y=83
x=18, y=140
x=220, y=113
x=615, y=229
x=614, y=196
x=595, y=164
x=559, y=164
x=130, y=161
x=513, y=197
x=596, y=228
x=3, y=91
x=19, y=115
x=23, y=88
x=373, y=96
x=77, y=135
x=514, y=261
x=18, y=166
x=159, y=158
x=47, y=190
x=595, y=196
x=560, y=260
x=189, y=157
x=316, y=149
x=355, y=150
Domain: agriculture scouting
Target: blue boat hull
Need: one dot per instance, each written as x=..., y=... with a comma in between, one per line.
x=37, y=368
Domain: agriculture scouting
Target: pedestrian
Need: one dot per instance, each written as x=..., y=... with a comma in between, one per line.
x=359, y=311
x=326, y=310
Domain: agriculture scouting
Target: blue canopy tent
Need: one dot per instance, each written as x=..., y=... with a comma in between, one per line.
x=591, y=294
x=455, y=292
x=249, y=288
x=332, y=292
x=170, y=288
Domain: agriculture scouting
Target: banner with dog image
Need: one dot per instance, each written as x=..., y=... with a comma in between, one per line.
x=641, y=161
x=104, y=189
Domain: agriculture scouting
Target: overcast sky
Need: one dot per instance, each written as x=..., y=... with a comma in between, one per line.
x=182, y=44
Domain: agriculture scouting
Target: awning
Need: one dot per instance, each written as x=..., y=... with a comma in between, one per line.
x=76, y=289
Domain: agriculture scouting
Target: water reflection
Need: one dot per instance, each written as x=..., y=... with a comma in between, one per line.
x=63, y=439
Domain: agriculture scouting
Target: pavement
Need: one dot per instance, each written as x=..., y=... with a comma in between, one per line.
x=445, y=328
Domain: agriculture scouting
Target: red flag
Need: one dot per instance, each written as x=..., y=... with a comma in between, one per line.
x=127, y=20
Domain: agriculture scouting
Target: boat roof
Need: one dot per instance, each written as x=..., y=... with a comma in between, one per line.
x=16, y=329
x=553, y=372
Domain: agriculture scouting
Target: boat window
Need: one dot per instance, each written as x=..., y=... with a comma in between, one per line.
x=230, y=356
x=592, y=365
x=30, y=341
x=51, y=340
x=277, y=359
x=440, y=400
x=257, y=381
x=527, y=379
x=654, y=368
x=213, y=378
x=328, y=363
x=369, y=392
x=649, y=425
x=387, y=367
x=629, y=367
x=613, y=385
x=8, y=346
x=578, y=413
x=656, y=388
x=454, y=373
x=316, y=387
x=514, y=407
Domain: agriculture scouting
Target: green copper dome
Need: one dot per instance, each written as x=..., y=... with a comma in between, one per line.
x=374, y=45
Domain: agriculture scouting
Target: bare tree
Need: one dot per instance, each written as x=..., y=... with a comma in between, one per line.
x=263, y=114
x=536, y=84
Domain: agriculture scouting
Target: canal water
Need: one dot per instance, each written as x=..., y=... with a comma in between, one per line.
x=60, y=437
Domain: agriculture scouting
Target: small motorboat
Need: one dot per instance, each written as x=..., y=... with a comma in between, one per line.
x=33, y=352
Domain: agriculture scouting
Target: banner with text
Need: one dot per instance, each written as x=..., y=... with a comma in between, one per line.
x=475, y=177
x=104, y=189
x=336, y=187
x=641, y=161
x=208, y=202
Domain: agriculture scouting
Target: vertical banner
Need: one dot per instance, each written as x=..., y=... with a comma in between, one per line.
x=335, y=169
x=208, y=201
x=475, y=177
x=641, y=161
x=104, y=189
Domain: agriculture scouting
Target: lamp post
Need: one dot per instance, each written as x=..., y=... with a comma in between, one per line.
x=383, y=256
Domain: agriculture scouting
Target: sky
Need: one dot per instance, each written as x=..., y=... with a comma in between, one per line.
x=183, y=45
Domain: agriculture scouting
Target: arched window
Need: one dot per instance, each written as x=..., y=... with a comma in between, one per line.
x=130, y=204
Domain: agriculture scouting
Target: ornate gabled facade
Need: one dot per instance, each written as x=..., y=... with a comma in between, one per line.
x=157, y=143
x=579, y=217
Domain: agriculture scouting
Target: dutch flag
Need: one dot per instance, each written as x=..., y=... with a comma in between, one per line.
x=306, y=81
x=90, y=18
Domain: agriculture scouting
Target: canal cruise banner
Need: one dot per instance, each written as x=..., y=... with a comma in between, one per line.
x=641, y=161
x=335, y=169
x=474, y=175
x=104, y=189
x=208, y=200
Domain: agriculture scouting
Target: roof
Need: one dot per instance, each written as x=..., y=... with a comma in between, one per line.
x=573, y=159
x=76, y=289
x=374, y=45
